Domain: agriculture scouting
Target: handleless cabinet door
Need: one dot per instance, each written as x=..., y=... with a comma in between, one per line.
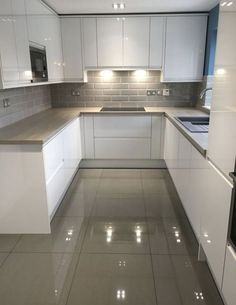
x=90, y=42
x=185, y=48
x=72, y=48
x=8, y=56
x=22, y=40
x=157, y=31
x=110, y=45
x=229, y=281
x=136, y=41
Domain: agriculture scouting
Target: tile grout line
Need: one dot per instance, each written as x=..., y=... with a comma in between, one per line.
x=149, y=242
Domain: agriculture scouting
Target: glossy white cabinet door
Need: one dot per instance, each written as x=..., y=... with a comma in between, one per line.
x=197, y=190
x=22, y=41
x=157, y=35
x=37, y=7
x=136, y=41
x=157, y=137
x=228, y=289
x=110, y=45
x=72, y=48
x=215, y=218
x=171, y=148
x=8, y=56
x=90, y=42
x=71, y=149
x=222, y=132
x=122, y=148
x=185, y=48
x=182, y=181
x=125, y=126
x=54, y=48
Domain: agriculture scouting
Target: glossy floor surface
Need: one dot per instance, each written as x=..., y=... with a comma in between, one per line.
x=119, y=237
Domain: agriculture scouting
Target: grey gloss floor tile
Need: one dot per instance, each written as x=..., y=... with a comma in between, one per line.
x=119, y=205
x=3, y=256
x=77, y=204
x=180, y=237
x=157, y=237
x=67, y=234
x=121, y=173
x=153, y=174
x=85, y=185
x=154, y=186
x=36, y=278
x=8, y=242
x=109, y=279
x=116, y=236
x=120, y=186
x=90, y=173
x=165, y=281
x=195, y=282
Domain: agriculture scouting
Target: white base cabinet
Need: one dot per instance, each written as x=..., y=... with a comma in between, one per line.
x=228, y=289
x=205, y=195
x=109, y=136
x=34, y=180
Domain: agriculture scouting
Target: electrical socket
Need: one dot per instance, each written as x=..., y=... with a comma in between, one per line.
x=75, y=92
x=166, y=92
x=6, y=102
x=151, y=92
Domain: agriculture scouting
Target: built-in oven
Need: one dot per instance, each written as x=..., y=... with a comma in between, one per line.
x=38, y=63
x=232, y=222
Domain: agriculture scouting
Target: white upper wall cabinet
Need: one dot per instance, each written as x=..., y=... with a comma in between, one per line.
x=157, y=35
x=185, y=48
x=90, y=42
x=9, y=65
x=44, y=29
x=136, y=41
x=110, y=46
x=72, y=48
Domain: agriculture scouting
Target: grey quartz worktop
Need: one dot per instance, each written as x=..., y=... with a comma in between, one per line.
x=41, y=127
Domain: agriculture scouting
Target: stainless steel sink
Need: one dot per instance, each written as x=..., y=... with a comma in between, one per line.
x=131, y=109
x=195, y=124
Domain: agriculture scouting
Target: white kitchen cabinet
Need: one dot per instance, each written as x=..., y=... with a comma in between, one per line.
x=228, y=288
x=136, y=41
x=157, y=39
x=185, y=48
x=90, y=43
x=122, y=148
x=54, y=171
x=72, y=150
x=215, y=219
x=9, y=64
x=128, y=126
x=171, y=148
x=110, y=42
x=123, y=136
x=72, y=48
x=182, y=181
x=196, y=190
x=61, y=159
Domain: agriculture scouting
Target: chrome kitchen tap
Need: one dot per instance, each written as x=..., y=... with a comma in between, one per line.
x=203, y=92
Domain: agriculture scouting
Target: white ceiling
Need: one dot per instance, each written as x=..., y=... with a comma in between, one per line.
x=132, y=6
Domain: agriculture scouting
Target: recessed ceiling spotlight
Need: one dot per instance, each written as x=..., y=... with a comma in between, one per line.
x=117, y=6
x=223, y=3
x=230, y=3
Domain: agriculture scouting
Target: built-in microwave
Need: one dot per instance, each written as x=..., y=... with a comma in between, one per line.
x=232, y=222
x=38, y=64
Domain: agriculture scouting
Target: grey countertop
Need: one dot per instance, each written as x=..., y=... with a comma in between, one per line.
x=41, y=127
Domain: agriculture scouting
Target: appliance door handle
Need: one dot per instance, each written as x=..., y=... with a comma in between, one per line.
x=232, y=219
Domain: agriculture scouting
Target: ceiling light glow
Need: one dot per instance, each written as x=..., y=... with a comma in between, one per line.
x=223, y=3
x=230, y=3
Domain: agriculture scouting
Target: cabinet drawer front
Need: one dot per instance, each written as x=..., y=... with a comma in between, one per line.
x=122, y=148
x=53, y=156
x=228, y=289
x=122, y=126
x=55, y=190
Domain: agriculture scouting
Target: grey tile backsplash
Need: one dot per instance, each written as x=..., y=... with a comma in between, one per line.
x=123, y=88
x=23, y=103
